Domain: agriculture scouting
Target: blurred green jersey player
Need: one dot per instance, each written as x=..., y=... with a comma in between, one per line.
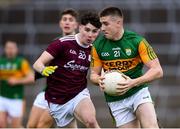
x=15, y=72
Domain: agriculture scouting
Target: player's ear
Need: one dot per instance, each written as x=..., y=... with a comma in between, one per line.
x=119, y=21
x=60, y=24
x=80, y=27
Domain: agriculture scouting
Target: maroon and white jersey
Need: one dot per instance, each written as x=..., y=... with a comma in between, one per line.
x=73, y=61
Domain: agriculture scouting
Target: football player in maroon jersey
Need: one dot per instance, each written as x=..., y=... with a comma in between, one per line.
x=40, y=116
x=65, y=63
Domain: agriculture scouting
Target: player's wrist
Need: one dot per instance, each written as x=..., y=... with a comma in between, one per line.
x=41, y=70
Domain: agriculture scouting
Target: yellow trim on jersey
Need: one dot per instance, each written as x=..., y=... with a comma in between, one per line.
x=5, y=74
x=95, y=60
x=146, y=52
x=25, y=70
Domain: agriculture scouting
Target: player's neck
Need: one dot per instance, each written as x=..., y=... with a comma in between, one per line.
x=10, y=57
x=80, y=41
x=65, y=34
x=119, y=35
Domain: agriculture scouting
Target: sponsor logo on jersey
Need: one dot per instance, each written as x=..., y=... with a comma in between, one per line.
x=8, y=66
x=128, y=51
x=121, y=64
x=103, y=54
x=73, y=66
x=8, y=70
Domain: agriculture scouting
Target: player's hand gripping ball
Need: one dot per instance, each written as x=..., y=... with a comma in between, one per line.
x=111, y=78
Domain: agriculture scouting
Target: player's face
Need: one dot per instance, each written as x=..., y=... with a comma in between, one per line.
x=68, y=24
x=11, y=49
x=111, y=26
x=88, y=33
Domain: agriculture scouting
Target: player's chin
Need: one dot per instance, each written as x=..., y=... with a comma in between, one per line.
x=67, y=31
x=88, y=43
x=108, y=36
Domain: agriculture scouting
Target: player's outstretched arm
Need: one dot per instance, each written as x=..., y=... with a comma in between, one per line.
x=42, y=61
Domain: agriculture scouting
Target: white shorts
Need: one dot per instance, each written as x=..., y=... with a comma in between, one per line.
x=14, y=107
x=123, y=111
x=64, y=114
x=40, y=101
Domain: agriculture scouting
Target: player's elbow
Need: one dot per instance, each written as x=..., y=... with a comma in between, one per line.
x=159, y=73
x=91, y=78
x=31, y=78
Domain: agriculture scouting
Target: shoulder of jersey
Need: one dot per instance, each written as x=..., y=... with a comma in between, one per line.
x=131, y=34
x=21, y=57
x=67, y=38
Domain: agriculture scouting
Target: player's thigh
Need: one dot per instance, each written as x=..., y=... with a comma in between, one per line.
x=34, y=116
x=46, y=120
x=15, y=112
x=85, y=110
x=3, y=119
x=146, y=115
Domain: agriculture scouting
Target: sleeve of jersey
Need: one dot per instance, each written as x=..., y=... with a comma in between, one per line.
x=146, y=52
x=25, y=67
x=95, y=61
x=54, y=48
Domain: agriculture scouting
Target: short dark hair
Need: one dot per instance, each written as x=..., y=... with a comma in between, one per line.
x=92, y=18
x=113, y=11
x=10, y=40
x=71, y=12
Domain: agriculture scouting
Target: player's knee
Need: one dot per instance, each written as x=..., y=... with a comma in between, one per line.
x=151, y=124
x=3, y=124
x=41, y=125
x=17, y=125
x=91, y=122
x=30, y=125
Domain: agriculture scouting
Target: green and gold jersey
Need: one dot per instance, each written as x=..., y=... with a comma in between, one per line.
x=12, y=68
x=126, y=55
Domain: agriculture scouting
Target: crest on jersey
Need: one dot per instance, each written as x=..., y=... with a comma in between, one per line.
x=128, y=51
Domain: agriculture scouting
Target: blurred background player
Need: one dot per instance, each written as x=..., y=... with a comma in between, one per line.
x=15, y=72
x=69, y=59
x=39, y=116
x=128, y=52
